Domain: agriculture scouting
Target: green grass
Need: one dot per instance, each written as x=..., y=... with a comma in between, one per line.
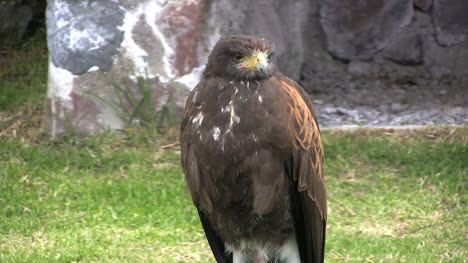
x=394, y=199
x=119, y=199
x=94, y=200
x=23, y=73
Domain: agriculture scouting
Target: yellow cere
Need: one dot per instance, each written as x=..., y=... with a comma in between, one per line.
x=253, y=62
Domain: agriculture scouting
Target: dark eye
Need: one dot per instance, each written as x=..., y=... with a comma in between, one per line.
x=270, y=56
x=238, y=56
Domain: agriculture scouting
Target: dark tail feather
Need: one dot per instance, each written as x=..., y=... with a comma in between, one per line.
x=216, y=244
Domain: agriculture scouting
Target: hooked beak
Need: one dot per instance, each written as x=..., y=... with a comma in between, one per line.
x=257, y=62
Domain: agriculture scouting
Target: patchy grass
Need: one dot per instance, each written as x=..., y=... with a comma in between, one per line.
x=393, y=197
x=23, y=73
x=95, y=200
x=23, y=86
x=398, y=196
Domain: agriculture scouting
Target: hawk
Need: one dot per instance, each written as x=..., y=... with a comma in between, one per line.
x=252, y=157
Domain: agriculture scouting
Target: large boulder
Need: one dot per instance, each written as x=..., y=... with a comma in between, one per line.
x=359, y=29
x=451, y=21
x=83, y=34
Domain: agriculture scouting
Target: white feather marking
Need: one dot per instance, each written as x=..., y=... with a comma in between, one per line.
x=198, y=119
x=230, y=108
x=248, y=83
x=260, y=98
x=194, y=98
x=289, y=252
x=228, y=248
x=263, y=254
x=254, y=137
x=216, y=133
x=238, y=257
x=234, y=117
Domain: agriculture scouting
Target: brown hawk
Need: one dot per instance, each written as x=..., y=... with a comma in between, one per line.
x=252, y=157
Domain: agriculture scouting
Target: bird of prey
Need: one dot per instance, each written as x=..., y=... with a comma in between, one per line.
x=252, y=157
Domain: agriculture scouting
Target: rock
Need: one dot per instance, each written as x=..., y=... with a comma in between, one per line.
x=359, y=29
x=360, y=68
x=101, y=52
x=406, y=50
x=83, y=34
x=451, y=21
x=14, y=19
x=282, y=22
x=181, y=24
x=396, y=107
x=100, y=47
x=424, y=5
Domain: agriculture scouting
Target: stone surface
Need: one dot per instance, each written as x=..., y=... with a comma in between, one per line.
x=282, y=22
x=390, y=105
x=367, y=62
x=97, y=46
x=83, y=34
x=101, y=52
x=406, y=50
x=451, y=21
x=359, y=29
x=181, y=24
x=14, y=19
x=360, y=68
x=424, y=5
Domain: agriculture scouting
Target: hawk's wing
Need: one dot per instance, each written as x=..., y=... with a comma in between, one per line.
x=308, y=196
x=192, y=175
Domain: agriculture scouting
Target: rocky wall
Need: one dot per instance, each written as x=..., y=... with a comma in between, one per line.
x=380, y=63
x=366, y=62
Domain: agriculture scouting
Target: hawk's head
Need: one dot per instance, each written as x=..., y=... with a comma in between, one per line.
x=241, y=57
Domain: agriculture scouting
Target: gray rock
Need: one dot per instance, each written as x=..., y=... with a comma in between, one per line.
x=424, y=5
x=396, y=107
x=451, y=21
x=359, y=29
x=406, y=50
x=14, y=19
x=282, y=22
x=360, y=68
x=83, y=34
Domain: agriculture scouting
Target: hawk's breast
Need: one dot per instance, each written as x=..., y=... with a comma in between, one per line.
x=235, y=119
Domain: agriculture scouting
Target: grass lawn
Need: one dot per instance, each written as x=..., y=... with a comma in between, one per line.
x=394, y=196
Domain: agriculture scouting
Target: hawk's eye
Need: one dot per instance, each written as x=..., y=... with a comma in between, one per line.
x=238, y=56
x=270, y=56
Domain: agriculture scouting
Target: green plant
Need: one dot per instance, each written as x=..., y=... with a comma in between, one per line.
x=136, y=108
